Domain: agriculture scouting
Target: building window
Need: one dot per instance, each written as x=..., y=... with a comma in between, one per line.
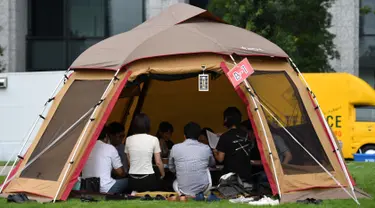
x=367, y=44
x=59, y=30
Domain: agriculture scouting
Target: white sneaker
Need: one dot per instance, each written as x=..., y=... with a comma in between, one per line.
x=241, y=199
x=265, y=201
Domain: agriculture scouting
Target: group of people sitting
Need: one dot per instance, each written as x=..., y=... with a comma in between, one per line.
x=137, y=164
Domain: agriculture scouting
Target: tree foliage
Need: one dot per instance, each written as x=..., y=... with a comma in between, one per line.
x=366, y=10
x=300, y=28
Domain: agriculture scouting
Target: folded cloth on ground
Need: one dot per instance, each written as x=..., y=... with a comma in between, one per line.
x=265, y=201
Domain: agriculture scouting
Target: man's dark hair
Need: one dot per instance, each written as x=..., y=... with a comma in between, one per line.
x=192, y=130
x=103, y=134
x=115, y=128
x=232, y=117
x=204, y=131
x=165, y=126
x=141, y=124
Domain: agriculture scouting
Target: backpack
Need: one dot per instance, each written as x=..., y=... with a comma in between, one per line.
x=231, y=185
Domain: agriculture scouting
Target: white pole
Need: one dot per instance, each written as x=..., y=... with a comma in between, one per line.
x=308, y=152
x=50, y=145
x=71, y=161
x=331, y=137
x=26, y=139
x=264, y=132
x=267, y=141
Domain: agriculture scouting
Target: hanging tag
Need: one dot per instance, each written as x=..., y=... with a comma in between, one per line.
x=203, y=81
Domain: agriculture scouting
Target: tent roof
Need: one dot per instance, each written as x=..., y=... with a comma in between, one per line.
x=180, y=29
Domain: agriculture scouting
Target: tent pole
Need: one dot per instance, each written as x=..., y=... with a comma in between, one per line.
x=71, y=161
x=247, y=84
x=26, y=139
x=50, y=145
x=336, y=148
x=265, y=135
x=286, y=130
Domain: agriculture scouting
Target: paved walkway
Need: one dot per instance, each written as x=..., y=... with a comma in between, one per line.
x=6, y=171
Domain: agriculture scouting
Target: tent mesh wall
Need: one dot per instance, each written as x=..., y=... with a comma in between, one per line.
x=278, y=94
x=50, y=164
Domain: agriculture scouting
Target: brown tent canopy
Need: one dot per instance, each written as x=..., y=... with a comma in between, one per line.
x=181, y=29
x=170, y=50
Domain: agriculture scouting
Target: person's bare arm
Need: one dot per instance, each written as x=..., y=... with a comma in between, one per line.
x=159, y=163
x=219, y=155
x=119, y=172
x=287, y=157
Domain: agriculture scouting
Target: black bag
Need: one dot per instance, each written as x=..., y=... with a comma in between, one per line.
x=233, y=186
x=90, y=185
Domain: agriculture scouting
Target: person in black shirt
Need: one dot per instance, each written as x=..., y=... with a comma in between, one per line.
x=230, y=148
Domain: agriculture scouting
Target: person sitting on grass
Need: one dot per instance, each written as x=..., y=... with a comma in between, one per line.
x=228, y=151
x=140, y=148
x=116, y=134
x=190, y=161
x=103, y=158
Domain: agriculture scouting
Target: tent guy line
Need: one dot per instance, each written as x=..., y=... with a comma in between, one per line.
x=168, y=70
x=329, y=130
x=264, y=132
x=49, y=146
x=308, y=152
x=248, y=87
x=27, y=138
x=103, y=97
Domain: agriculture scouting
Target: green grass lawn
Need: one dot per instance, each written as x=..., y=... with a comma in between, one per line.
x=3, y=163
x=362, y=172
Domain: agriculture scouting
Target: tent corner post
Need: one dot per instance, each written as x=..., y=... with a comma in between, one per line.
x=27, y=138
x=247, y=84
x=330, y=134
x=71, y=161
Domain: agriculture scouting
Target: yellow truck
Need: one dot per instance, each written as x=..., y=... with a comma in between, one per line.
x=348, y=103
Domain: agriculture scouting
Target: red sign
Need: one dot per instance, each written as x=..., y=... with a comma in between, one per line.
x=240, y=72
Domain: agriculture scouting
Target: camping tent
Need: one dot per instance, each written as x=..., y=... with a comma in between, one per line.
x=153, y=69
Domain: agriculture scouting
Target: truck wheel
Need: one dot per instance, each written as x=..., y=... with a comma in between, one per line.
x=368, y=149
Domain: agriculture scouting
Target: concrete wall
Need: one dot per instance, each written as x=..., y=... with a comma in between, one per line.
x=20, y=104
x=345, y=25
x=13, y=22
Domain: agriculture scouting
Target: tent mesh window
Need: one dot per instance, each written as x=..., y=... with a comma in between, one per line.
x=279, y=95
x=80, y=97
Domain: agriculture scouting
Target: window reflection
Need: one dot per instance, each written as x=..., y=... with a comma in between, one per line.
x=59, y=30
x=365, y=113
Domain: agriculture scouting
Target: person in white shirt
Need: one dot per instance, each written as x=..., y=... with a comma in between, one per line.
x=102, y=160
x=140, y=148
